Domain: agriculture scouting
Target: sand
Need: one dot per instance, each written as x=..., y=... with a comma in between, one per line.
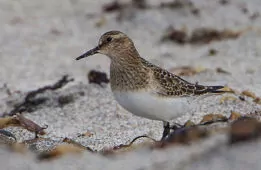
x=39, y=43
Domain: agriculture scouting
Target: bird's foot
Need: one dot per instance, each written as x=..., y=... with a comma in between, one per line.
x=176, y=126
x=167, y=129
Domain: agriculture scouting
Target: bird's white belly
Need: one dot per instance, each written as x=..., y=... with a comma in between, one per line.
x=151, y=106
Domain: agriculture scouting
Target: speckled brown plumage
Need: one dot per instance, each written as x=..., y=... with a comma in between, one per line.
x=128, y=78
x=168, y=84
x=142, y=75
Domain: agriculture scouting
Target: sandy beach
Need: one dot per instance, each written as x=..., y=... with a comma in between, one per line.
x=39, y=41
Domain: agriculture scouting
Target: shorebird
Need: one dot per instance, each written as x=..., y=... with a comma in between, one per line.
x=143, y=88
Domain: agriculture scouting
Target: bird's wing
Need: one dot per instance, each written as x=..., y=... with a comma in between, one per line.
x=168, y=84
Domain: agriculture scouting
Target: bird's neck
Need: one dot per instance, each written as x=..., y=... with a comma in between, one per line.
x=128, y=74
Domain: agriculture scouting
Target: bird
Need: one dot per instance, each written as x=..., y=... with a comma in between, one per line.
x=145, y=89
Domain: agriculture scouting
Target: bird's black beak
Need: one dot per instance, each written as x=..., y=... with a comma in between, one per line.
x=89, y=53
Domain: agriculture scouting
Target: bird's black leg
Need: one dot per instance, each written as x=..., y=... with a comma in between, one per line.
x=176, y=126
x=166, y=130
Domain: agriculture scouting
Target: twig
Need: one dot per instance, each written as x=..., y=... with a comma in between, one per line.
x=128, y=145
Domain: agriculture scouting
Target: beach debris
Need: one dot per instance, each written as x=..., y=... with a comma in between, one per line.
x=207, y=35
x=98, y=77
x=244, y=129
x=187, y=70
x=85, y=134
x=140, y=4
x=6, y=137
x=189, y=123
x=77, y=144
x=234, y=116
x=227, y=98
x=199, y=35
x=30, y=125
x=251, y=95
x=177, y=4
x=20, y=121
x=212, y=52
x=143, y=5
x=221, y=70
x=175, y=35
x=128, y=147
x=60, y=150
x=248, y=94
x=184, y=135
x=65, y=99
x=213, y=118
x=113, y=6
x=9, y=121
x=31, y=101
x=224, y=2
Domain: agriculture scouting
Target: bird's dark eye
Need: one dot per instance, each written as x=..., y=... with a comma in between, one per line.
x=109, y=39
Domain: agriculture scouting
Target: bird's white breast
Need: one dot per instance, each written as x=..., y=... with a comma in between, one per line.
x=151, y=106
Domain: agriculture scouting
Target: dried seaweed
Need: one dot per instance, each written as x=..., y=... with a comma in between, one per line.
x=244, y=129
x=224, y=2
x=213, y=118
x=128, y=145
x=59, y=151
x=65, y=99
x=212, y=52
x=119, y=6
x=30, y=125
x=187, y=70
x=124, y=147
x=248, y=94
x=176, y=4
x=251, y=95
x=113, y=6
x=221, y=70
x=199, y=35
x=9, y=121
x=97, y=77
x=20, y=121
x=85, y=134
x=183, y=135
x=71, y=141
x=234, y=116
x=6, y=137
x=227, y=98
x=30, y=102
x=142, y=4
x=189, y=123
x=207, y=35
x=175, y=35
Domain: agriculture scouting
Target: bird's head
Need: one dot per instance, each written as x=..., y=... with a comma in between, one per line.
x=113, y=44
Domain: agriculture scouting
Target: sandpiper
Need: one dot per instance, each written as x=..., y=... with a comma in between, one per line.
x=145, y=89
